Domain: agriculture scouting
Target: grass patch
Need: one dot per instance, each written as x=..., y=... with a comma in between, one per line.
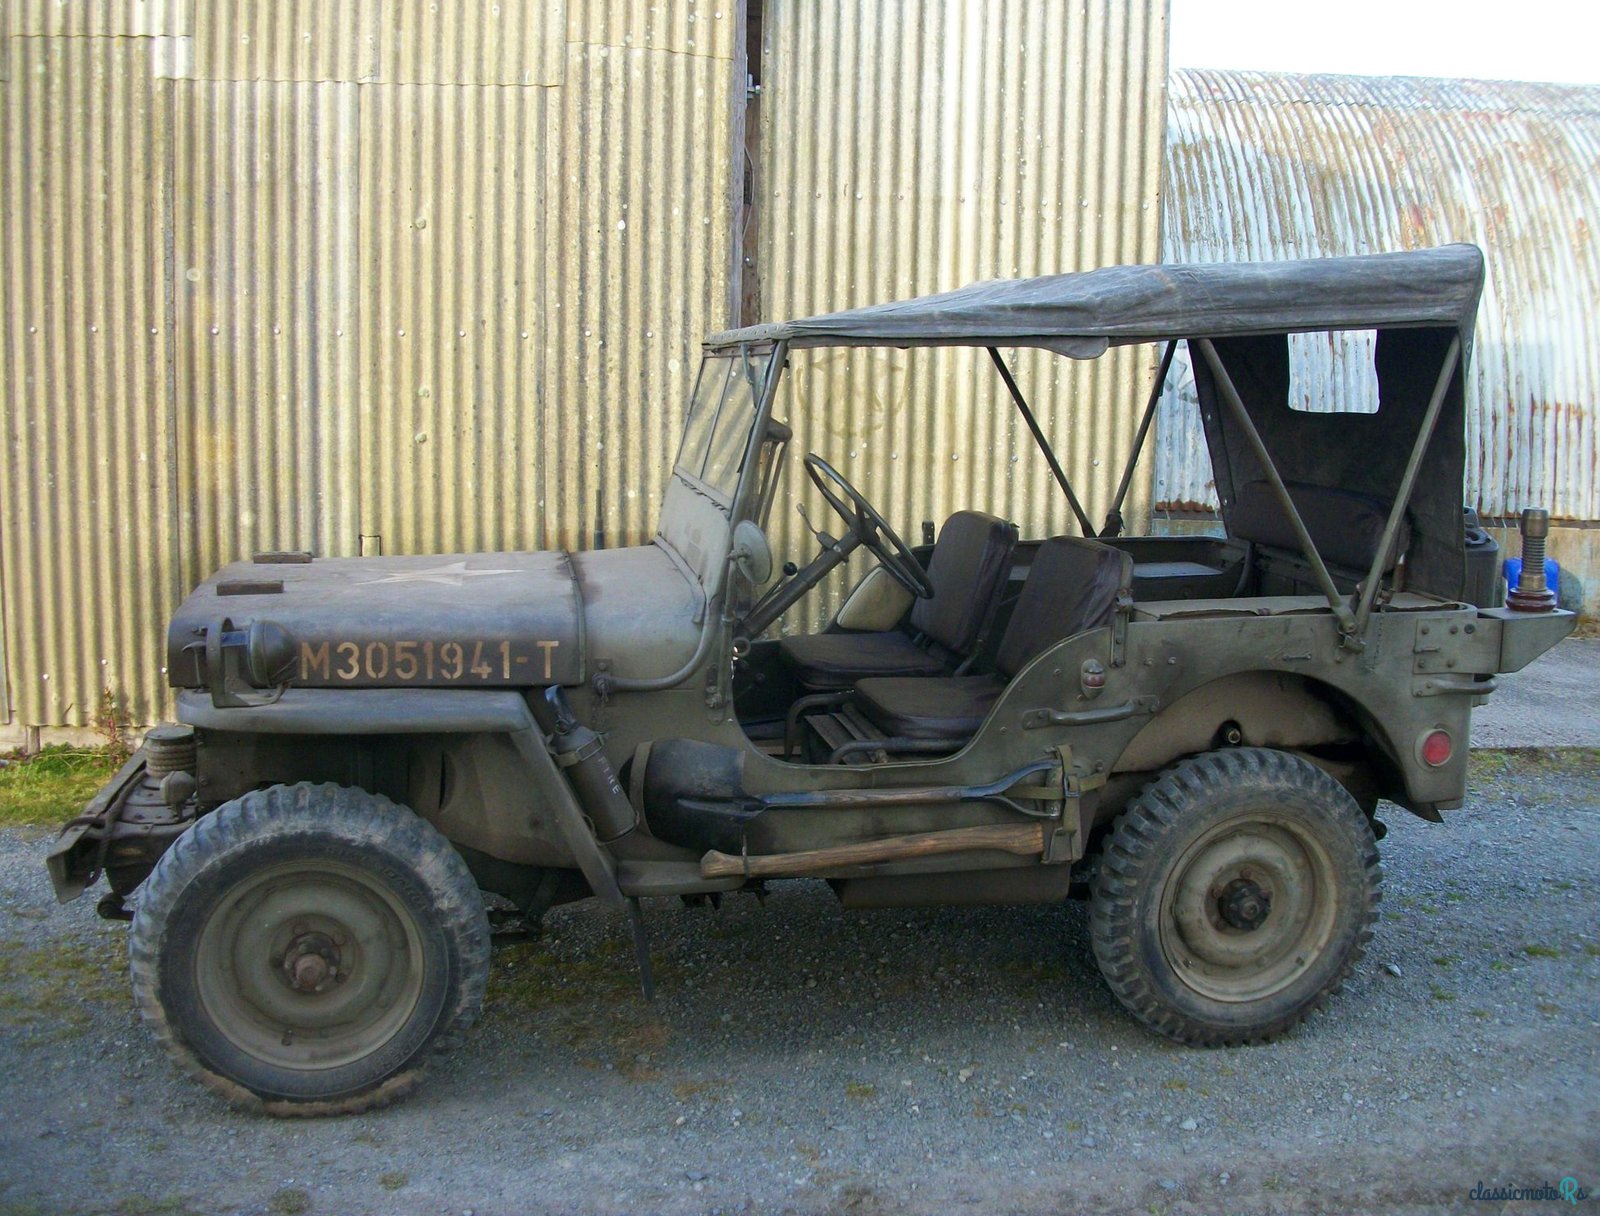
x=1499, y=762
x=528, y=978
x=1445, y=960
x=290, y=1201
x=859, y=1090
x=589, y=1002
x=53, y=784
x=1535, y=950
x=685, y=1091
x=1441, y=994
x=51, y=993
x=1548, y=1008
x=635, y=1047
x=394, y=1180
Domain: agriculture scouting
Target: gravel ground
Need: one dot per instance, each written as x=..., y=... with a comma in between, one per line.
x=1552, y=702
x=803, y=1058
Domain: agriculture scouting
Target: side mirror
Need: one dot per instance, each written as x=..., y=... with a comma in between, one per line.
x=751, y=552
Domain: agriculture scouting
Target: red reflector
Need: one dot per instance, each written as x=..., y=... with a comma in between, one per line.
x=1436, y=748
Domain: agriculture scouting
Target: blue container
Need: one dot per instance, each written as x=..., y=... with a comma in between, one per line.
x=1552, y=574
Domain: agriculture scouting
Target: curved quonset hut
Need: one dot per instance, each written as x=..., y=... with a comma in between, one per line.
x=1268, y=165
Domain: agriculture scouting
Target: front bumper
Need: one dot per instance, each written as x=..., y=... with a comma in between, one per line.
x=79, y=853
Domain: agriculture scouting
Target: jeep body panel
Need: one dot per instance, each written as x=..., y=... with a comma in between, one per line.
x=452, y=621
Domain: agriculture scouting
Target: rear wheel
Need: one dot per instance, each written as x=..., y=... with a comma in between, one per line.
x=303, y=949
x=1234, y=896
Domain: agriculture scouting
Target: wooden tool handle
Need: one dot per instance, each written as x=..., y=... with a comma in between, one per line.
x=1021, y=839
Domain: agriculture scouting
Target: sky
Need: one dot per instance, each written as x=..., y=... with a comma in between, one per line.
x=1550, y=40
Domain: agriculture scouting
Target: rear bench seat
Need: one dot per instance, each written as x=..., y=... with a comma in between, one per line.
x=1345, y=525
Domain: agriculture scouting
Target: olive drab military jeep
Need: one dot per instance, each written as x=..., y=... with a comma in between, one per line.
x=1194, y=732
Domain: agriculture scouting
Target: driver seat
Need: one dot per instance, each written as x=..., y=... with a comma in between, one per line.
x=968, y=568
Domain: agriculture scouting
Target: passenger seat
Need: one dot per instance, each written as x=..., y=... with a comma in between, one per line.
x=1072, y=586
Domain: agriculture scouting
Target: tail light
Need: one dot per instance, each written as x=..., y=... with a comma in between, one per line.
x=1435, y=748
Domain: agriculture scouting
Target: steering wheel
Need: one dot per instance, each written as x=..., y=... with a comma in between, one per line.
x=869, y=527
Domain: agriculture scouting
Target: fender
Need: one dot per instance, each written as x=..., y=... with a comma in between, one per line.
x=1275, y=709
x=435, y=711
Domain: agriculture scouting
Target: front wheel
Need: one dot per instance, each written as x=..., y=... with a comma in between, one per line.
x=1234, y=896
x=304, y=948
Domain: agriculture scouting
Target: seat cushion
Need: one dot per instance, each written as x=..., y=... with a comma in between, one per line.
x=829, y=661
x=1345, y=525
x=945, y=707
x=966, y=568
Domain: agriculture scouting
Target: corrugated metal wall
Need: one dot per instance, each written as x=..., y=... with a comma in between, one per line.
x=427, y=275
x=87, y=412
x=911, y=146
x=340, y=277
x=1275, y=166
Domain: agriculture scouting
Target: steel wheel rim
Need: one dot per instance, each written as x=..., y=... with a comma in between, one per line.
x=1248, y=858
x=366, y=986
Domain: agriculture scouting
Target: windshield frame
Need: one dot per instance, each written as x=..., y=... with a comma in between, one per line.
x=717, y=466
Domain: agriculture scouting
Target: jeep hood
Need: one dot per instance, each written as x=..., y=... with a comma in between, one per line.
x=448, y=620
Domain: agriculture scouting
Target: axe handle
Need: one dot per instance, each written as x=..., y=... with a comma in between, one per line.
x=1021, y=839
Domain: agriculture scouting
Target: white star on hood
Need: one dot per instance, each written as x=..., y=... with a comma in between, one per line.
x=453, y=575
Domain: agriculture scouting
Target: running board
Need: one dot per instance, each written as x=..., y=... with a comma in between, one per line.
x=1022, y=839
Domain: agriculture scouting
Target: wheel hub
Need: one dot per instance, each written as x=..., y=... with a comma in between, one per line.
x=1247, y=906
x=1244, y=905
x=311, y=963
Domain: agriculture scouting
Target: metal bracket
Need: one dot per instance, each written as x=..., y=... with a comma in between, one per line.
x=1119, y=627
x=1066, y=843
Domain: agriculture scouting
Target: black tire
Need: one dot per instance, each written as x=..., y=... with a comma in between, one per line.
x=1222, y=848
x=303, y=949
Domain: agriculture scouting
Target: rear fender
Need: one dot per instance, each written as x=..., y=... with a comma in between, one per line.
x=1270, y=708
x=1280, y=710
